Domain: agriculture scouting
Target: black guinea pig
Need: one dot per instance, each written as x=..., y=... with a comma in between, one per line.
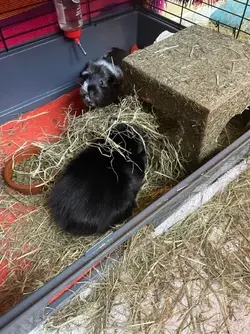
x=101, y=80
x=98, y=189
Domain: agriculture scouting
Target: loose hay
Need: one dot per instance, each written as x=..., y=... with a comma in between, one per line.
x=164, y=162
x=33, y=244
x=24, y=170
x=195, y=278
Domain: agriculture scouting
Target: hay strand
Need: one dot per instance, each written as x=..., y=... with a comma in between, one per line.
x=195, y=278
x=36, y=250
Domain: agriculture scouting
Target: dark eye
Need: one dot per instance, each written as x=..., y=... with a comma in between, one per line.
x=101, y=82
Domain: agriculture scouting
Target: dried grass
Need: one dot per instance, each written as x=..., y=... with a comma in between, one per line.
x=193, y=279
x=164, y=161
x=36, y=250
x=23, y=171
x=197, y=78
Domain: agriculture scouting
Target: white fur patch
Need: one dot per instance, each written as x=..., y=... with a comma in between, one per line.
x=85, y=86
x=115, y=70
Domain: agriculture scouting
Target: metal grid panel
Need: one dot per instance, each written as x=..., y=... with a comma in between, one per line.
x=31, y=20
x=230, y=16
x=24, y=23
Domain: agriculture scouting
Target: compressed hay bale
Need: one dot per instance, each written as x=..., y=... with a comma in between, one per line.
x=198, y=79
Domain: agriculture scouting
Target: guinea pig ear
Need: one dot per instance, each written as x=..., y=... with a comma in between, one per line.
x=116, y=77
x=119, y=74
x=112, y=80
x=108, y=54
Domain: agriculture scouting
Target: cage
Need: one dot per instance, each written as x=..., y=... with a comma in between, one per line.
x=33, y=49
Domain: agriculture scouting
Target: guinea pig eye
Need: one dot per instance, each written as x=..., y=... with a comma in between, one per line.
x=101, y=82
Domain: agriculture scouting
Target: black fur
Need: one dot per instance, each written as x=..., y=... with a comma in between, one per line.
x=103, y=78
x=115, y=56
x=96, y=191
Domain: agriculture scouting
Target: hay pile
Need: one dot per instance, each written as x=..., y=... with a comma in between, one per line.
x=33, y=244
x=164, y=161
x=198, y=78
x=193, y=279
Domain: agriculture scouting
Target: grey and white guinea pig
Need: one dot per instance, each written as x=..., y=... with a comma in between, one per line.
x=101, y=80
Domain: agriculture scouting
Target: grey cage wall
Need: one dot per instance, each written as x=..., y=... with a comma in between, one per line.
x=29, y=31
x=38, y=64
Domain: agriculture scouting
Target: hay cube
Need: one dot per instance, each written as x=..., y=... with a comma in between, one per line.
x=198, y=79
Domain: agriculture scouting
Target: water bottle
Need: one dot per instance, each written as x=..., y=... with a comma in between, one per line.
x=69, y=14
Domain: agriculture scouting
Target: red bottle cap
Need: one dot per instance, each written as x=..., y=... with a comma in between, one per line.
x=133, y=48
x=73, y=34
